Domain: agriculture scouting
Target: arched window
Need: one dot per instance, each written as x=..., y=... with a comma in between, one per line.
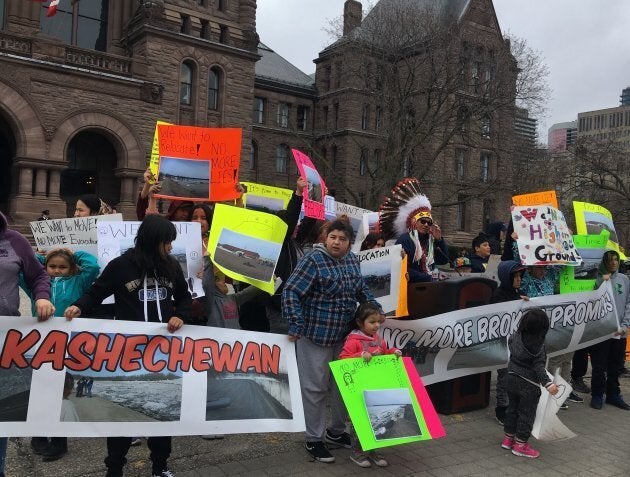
x=186, y=83
x=282, y=153
x=253, y=157
x=214, y=88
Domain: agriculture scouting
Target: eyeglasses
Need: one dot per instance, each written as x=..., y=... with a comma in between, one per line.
x=426, y=222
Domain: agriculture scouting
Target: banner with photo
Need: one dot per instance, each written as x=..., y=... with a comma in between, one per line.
x=547, y=197
x=386, y=400
x=114, y=238
x=198, y=163
x=583, y=278
x=593, y=219
x=474, y=340
x=245, y=244
x=315, y=187
x=91, y=378
x=76, y=233
x=381, y=269
x=543, y=236
x=266, y=198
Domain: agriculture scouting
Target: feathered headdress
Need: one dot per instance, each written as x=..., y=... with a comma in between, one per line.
x=402, y=206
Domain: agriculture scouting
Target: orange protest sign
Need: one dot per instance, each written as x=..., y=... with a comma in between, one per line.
x=198, y=163
x=547, y=197
x=402, y=308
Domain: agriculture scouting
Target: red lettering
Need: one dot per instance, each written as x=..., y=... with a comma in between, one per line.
x=201, y=356
x=131, y=355
x=226, y=358
x=270, y=358
x=107, y=355
x=52, y=350
x=179, y=358
x=148, y=358
x=80, y=350
x=15, y=347
x=251, y=358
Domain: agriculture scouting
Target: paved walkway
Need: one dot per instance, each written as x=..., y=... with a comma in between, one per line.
x=471, y=447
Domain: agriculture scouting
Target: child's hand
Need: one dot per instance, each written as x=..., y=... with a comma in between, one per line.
x=366, y=356
x=606, y=277
x=524, y=298
x=174, y=324
x=72, y=312
x=44, y=309
x=398, y=353
x=553, y=389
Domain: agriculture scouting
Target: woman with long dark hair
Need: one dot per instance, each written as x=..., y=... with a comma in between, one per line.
x=147, y=283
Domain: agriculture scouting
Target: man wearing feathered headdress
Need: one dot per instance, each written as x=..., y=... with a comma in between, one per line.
x=406, y=216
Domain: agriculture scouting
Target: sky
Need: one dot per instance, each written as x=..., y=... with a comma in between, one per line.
x=584, y=43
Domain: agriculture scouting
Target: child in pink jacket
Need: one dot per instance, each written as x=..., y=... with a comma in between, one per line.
x=365, y=342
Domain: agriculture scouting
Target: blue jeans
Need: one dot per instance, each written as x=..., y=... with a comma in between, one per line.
x=3, y=452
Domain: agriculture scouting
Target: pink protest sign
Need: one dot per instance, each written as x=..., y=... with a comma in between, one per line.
x=315, y=191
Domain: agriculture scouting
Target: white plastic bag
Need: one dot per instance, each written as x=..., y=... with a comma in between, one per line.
x=547, y=425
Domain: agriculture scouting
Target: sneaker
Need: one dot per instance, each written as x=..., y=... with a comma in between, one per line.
x=319, y=452
x=523, y=449
x=136, y=441
x=378, y=459
x=499, y=413
x=597, y=402
x=580, y=386
x=360, y=458
x=342, y=440
x=573, y=397
x=166, y=472
x=54, y=453
x=564, y=406
x=508, y=442
x=39, y=444
x=617, y=401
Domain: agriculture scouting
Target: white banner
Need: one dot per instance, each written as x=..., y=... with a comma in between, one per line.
x=474, y=340
x=114, y=238
x=89, y=378
x=381, y=270
x=77, y=233
x=543, y=236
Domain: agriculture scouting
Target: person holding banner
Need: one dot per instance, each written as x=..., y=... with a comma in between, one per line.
x=17, y=258
x=607, y=357
x=148, y=284
x=319, y=302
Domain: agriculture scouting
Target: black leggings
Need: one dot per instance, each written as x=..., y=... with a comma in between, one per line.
x=117, y=448
x=521, y=411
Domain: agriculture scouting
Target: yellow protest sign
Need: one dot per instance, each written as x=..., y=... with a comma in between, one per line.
x=155, y=149
x=593, y=219
x=537, y=198
x=245, y=244
x=264, y=197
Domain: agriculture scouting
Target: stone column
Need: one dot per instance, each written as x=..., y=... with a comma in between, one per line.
x=25, y=186
x=41, y=179
x=55, y=183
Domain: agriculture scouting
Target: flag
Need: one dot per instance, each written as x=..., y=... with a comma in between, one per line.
x=52, y=8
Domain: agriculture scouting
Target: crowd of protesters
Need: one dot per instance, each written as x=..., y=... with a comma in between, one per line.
x=315, y=306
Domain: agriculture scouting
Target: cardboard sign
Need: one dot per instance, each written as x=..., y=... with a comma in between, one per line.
x=266, y=198
x=198, y=163
x=245, y=244
x=593, y=219
x=543, y=236
x=114, y=238
x=386, y=406
x=584, y=277
x=143, y=380
x=315, y=187
x=77, y=233
x=381, y=269
x=537, y=198
x=355, y=214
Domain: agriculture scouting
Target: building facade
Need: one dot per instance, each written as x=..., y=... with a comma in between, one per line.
x=80, y=94
x=562, y=136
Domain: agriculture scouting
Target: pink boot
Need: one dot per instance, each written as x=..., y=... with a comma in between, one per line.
x=523, y=449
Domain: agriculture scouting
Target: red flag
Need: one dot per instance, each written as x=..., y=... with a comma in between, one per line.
x=52, y=8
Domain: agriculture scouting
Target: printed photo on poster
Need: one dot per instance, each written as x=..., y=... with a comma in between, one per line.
x=15, y=391
x=314, y=184
x=378, y=278
x=123, y=395
x=248, y=256
x=596, y=223
x=184, y=178
x=264, y=204
x=392, y=414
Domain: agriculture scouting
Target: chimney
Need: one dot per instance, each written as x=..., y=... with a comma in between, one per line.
x=352, y=16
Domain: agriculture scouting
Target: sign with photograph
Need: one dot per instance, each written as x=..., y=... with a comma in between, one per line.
x=381, y=269
x=315, y=187
x=154, y=162
x=543, y=236
x=583, y=278
x=593, y=219
x=96, y=378
x=115, y=238
x=547, y=197
x=198, y=163
x=245, y=244
x=266, y=198
x=474, y=340
x=387, y=407
x=76, y=233
x=355, y=214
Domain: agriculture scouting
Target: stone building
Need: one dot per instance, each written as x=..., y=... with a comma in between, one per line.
x=80, y=94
